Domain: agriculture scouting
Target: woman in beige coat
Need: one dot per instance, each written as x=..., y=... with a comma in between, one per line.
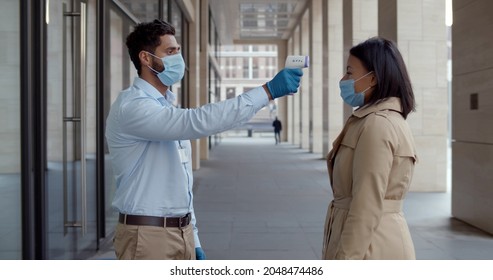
x=372, y=161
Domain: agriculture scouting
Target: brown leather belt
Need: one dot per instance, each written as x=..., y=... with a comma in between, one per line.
x=138, y=220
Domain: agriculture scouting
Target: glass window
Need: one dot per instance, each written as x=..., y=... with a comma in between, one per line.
x=70, y=130
x=176, y=21
x=119, y=78
x=165, y=10
x=10, y=164
x=212, y=28
x=246, y=66
x=183, y=98
x=255, y=67
x=144, y=10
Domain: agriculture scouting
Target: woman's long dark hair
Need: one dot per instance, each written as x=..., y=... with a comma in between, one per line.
x=383, y=58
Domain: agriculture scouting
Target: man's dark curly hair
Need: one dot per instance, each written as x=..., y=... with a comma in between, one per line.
x=146, y=37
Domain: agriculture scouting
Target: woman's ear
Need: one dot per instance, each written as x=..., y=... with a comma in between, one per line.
x=373, y=80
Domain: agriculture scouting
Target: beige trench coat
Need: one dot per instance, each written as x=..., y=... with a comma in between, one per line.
x=370, y=169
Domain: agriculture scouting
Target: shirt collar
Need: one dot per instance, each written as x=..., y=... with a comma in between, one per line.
x=150, y=90
x=391, y=103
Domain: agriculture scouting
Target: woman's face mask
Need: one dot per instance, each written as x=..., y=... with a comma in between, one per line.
x=348, y=93
x=174, y=69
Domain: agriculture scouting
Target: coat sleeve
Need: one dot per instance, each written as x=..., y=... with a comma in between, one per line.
x=372, y=163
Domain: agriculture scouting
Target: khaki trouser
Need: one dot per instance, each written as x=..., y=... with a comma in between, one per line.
x=154, y=243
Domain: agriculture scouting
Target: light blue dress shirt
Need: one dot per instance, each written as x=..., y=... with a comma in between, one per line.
x=145, y=134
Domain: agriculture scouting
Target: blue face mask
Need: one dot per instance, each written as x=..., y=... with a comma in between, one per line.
x=174, y=69
x=348, y=94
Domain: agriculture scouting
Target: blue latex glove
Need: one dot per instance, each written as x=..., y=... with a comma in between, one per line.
x=199, y=254
x=285, y=82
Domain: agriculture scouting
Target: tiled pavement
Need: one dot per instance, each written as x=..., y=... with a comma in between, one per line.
x=257, y=200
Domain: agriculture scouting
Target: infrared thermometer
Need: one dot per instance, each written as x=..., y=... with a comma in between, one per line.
x=297, y=61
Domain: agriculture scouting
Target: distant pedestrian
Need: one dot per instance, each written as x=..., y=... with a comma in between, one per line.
x=277, y=130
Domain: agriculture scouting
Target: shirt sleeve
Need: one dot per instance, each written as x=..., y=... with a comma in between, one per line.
x=142, y=118
x=372, y=163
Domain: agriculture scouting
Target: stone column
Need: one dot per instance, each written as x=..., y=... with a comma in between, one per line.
x=365, y=20
x=347, y=14
x=364, y=25
x=316, y=78
x=306, y=132
x=290, y=103
x=422, y=40
x=472, y=113
x=204, y=69
x=282, y=103
x=333, y=69
x=387, y=20
x=194, y=66
x=297, y=97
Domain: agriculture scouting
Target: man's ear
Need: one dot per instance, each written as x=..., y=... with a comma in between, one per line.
x=145, y=59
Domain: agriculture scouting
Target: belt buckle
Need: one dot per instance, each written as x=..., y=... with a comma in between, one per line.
x=180, y=220
x=183, y=219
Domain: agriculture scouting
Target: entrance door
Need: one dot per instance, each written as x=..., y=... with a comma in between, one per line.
x=71, y=130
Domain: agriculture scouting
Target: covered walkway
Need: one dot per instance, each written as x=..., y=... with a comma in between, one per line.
x=256, y=200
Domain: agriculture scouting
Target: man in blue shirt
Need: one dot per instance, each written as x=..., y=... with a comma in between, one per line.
x=148, y=139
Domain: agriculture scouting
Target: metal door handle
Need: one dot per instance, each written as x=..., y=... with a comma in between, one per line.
x=78, y=41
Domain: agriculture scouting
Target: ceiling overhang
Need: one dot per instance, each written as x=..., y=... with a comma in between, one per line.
x=256, y=21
